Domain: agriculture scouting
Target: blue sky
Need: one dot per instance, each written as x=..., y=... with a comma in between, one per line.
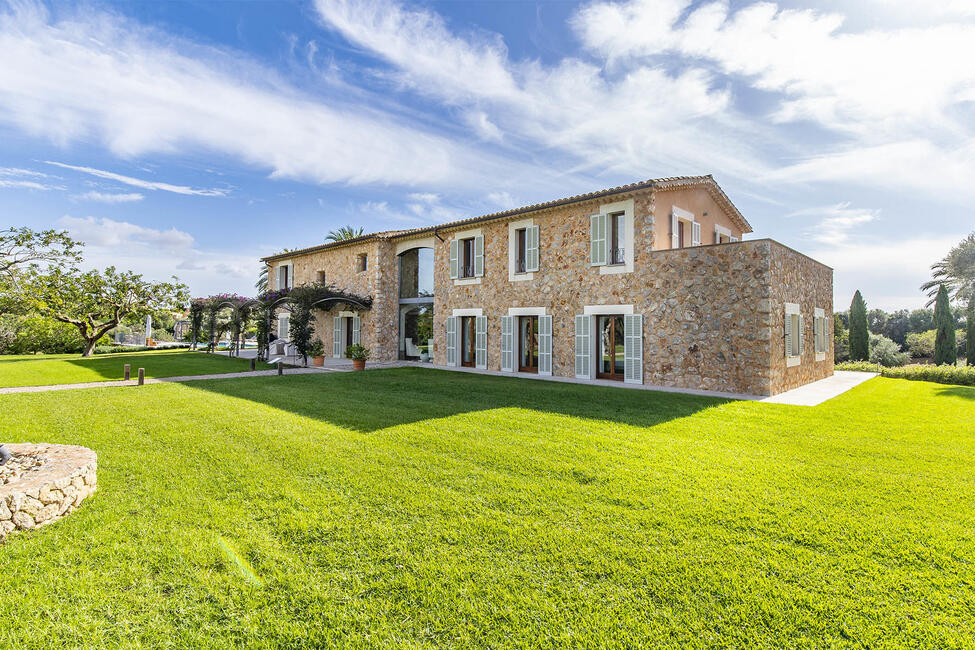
x=194, y=138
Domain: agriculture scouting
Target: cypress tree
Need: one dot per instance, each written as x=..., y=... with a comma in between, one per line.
x=945, y=348
x=859, y=333
x=970, y=332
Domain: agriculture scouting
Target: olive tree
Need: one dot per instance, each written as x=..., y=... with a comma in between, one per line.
x=94, y=301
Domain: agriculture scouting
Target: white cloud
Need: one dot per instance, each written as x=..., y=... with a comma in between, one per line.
x=27, y=185
x=137, y=182
x=17, y=171
x=84, y=77
x=104, y=197
x=108, y=233
x=25, y=179
x=835, y=221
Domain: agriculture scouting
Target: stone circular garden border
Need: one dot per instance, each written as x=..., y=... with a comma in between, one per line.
x=44, y=495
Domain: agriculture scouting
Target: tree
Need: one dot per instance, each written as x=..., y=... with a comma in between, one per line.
x=859, y=333
x=94, y=302
x=198, y=308
x=898, y=326
x=945, y=350
x=22, y=248
x=876, y=321
x=970, y=334
x=956, y=271
x=261, y=284
x=343, y=233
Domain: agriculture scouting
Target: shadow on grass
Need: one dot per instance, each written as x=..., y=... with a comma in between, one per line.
x=965, y=392
x=376, y=399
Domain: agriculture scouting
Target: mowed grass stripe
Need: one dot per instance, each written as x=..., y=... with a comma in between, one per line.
x=420, y=507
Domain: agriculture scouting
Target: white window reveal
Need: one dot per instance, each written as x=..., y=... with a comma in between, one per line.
x=821, y=332
x=722, y=235
x=611, y=238
x=523, y=249
x=467, y=256
x=793, y=327
x=684, y=230
x=285, y=276
x=480, y=342
x=337, y=337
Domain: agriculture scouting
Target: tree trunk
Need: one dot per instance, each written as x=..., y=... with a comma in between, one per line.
x=89, y=347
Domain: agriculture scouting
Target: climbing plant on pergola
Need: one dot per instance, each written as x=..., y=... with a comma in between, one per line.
x=300, y=301
x=205, y=316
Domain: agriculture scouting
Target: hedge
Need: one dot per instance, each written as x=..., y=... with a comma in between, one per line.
x=958, y=375
x=116, y=349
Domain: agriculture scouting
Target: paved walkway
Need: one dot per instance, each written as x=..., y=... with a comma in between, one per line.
x=808, y=395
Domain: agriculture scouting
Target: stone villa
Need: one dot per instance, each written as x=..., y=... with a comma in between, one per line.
x=648, y=283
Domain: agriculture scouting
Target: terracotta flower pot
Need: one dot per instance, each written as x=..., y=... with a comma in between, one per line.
x=358, y=364
x=318, y=361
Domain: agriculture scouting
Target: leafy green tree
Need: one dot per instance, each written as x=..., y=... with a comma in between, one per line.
x=876, y=321
x=921, y=320
x=343, y=233
x=23, y=248
x=898, y=326
x=841, y=341
x=970, y=335
x=945, y=348
x=95, y=302
x=859, y=332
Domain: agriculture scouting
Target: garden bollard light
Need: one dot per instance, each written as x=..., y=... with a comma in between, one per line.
x=253, y=364
x=142, y=376
x=127, y=372
x=280, y=368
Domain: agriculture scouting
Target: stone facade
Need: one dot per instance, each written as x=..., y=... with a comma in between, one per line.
x=37, y=498
x=712, y=314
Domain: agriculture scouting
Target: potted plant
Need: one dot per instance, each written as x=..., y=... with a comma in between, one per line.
x=424, y=355
x=359, y=355
x=317, y=352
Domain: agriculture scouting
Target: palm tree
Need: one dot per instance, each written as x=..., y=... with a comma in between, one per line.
x=261, y=284
x=956, y=271
x=343, y=233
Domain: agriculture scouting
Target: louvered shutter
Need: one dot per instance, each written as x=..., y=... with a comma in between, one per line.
x=507, y=344
x=531, y=249
x=451, y=340
x=732, y=238
x=545, y=345
x=788, y=335
x=597, y=240
x=479, y=256
x=583, y=365
x=801, y=335
x=337, y=336
x=480, y=342
x=695, y=234
x=674, y=231
x=356, y=328
x=633, y=348
x=454, y=263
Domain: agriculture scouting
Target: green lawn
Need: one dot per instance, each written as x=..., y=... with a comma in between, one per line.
x=45, y=370
x=415, y=507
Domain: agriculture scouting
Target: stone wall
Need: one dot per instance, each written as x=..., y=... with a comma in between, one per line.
x=37, y=498
x=796, y=278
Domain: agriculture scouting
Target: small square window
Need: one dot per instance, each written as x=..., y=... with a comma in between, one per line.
x=361, y=262
x=321, y=277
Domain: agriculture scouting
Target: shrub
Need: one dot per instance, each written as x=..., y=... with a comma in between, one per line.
x=116, y=349
x=959, y=375
x=316, y=349
x=921, y=344
x=858, y=366
x=841, y=341
x=886, y=352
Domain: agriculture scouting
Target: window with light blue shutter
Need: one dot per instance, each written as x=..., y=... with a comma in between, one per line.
x=531, y=249
x=597, y=240
x=452, y=341
x=507, y=343
x=479, y=256
x=583, y=356
x=545, y=345
x=480, y=342
x=356, y=328
x=337, y=337
x=454, y=259
x=633, y=348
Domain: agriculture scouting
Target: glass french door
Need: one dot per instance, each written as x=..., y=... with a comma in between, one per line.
x=467, y=331
x=610, y=359
x=528, y=343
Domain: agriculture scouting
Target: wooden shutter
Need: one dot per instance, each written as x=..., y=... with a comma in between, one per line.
x=788, y=334
x=531, y=249
x=545, y=345
x=480, y=342
x=507, y=344
x=454, y=263
x=695, y=233
x=451, y=340
x=674, y=231
x=583, y=346
x=283, y=326
x=633, y=348
x=597, y=240
x=356, y=328
x=479, y=256
x=337, y=336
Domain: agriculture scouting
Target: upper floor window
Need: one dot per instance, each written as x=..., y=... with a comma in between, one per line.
x=467, y=257
x=361, y=262
x=684, y=230
x=285, y=277
x=321, y=277
x=416, y=273
x=521, y=249
x=617, y=238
